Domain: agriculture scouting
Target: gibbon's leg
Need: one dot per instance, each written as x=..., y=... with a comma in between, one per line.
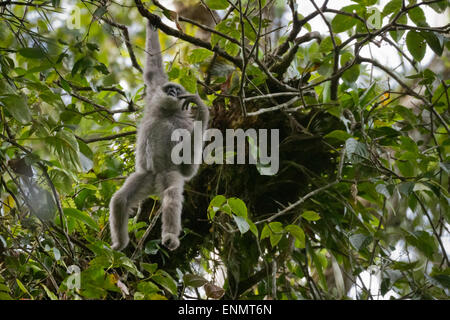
x=135, y=189
x=172, y=201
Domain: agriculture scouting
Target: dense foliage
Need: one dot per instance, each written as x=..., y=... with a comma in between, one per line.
x=363, y=185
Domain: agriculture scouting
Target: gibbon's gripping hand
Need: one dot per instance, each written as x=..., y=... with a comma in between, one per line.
x=188, y=99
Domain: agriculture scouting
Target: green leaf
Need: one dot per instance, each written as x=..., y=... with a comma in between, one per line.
x=298, y=233
x=276, y=227
x=17, y=106
x=173, y=73
x=81, y=64
x=275, y=238
x=189, y=81
x=65, y=85
x=86, y=156
x=102, y=68
x=416, y=45
x=341, y=23
x=404, y=266
x=22, y=287
x=274, y=231
x=339, y=135
x=396, y=35
x=406, y=187
x=445, y=166
x=93, y=46
x=50, y=294
x=199, y=55
x=99, y=12
x=192, y=280
x=418, y=17
x=442, y=279
x=265, y=233
x=406, y=114
x=238, y=207
x=366, y=2
x=66, y=148
x=151, y=247
x=5, y=296
x=56, y=254
x=355, y=150
x=327, y=44
x=164, y=279
x=368, y=94
x=433, y=41
x=147, y=287
x=319, y=262
x=232, y=48
x=422, y=241
x=310, y=215
x=32, y=53
x=392, y=6
x=440, y=6
x=62, y=180
x=128, y=264
x=253, y=228
x=4, y=289
x=359, y=241
x=215, y=205
x=149, y=267
x=382, y=189
x=82, y=217
x=405, y=167
x=352, y=74
x=241, y=223
x=156, y=296
x=217, y=4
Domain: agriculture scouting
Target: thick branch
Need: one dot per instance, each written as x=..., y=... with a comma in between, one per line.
x=29, y=4
x=281, y=66
x=126, y=35
x=156, y=21
x=98, y=106
x=296, y=27
x=111, y=137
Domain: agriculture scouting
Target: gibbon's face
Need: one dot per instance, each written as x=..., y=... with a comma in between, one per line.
x=171, y=94
x=173, y=90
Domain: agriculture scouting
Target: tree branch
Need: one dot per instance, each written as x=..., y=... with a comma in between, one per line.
x=156, y=21
x=111, y=137
x=126, y=35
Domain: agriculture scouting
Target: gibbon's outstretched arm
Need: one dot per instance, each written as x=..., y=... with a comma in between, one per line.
x=154, y=75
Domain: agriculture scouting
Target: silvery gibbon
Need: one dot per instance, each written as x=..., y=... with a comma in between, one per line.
x=166, y=109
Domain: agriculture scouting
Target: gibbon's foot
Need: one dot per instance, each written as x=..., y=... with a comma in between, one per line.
x=170, y=241
x=120, y=244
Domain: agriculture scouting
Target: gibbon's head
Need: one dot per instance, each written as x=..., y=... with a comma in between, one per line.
x=173, y=89
x=170, y=93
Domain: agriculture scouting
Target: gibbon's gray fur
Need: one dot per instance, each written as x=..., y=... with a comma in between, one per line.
x=167, y=109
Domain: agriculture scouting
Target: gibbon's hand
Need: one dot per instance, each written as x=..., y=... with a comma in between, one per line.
x=188, y=99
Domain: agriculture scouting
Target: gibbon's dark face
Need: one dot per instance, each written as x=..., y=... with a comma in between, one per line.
x=173, y=89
